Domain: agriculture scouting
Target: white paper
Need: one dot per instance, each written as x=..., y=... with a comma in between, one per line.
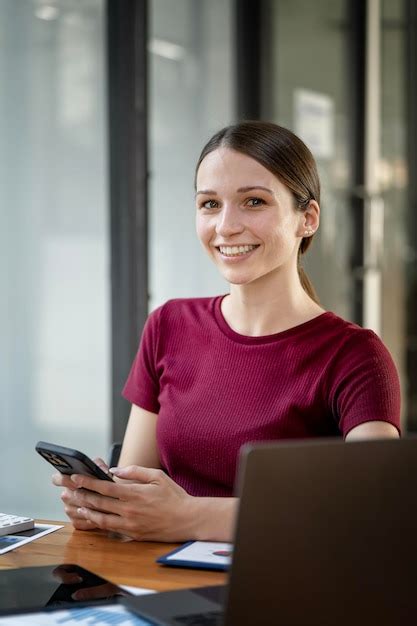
x=137, y=591
x=205, y=552
x=314, y=121
x=99, y=616
x=11, y=542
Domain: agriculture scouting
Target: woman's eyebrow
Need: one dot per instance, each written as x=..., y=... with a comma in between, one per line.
x=240, y=190
x=208, y=192
x=251, y=188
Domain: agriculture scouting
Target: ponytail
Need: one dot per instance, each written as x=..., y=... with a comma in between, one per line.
x=306, y=283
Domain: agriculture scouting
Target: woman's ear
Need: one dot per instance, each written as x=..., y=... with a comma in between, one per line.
x=310, y=220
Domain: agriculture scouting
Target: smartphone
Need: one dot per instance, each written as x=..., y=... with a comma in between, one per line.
x=69, y=461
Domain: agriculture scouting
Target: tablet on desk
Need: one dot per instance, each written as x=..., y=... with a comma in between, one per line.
x=53, y=586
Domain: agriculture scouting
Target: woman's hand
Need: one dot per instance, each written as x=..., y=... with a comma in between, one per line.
x=68, y=497
x=144, y=504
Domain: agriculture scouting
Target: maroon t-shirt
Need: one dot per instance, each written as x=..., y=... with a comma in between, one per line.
x=214, y=390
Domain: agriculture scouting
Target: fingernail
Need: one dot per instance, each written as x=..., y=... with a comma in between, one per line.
x=81, y=511
x=75, y=580
x=117, y=471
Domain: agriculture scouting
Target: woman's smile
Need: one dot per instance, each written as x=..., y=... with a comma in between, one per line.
x=237, y=251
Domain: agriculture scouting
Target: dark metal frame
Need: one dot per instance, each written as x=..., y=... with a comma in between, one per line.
x=248, y=59
x=127, y=114
x=356, y=76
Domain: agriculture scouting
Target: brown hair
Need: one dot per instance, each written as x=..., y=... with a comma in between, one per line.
x=286, y=156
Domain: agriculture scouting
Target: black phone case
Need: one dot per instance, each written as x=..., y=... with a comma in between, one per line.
x=69, y=461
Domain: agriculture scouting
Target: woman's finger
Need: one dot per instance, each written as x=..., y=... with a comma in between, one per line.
x=79, y=522
x=139, y=474
x=92, y=500
x=102, y=464
x=61, y=480
x=104, y=521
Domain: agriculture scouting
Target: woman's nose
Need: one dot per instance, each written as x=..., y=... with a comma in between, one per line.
x=229, y=222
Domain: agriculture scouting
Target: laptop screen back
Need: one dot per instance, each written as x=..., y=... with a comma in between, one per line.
x=326, y=534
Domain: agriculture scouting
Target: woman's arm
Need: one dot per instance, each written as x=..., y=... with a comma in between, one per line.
x=139, y=443
x=215, y=518
x=373, y=430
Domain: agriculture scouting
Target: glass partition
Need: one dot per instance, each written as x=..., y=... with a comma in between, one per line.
x=55, y=292
x=191, y=87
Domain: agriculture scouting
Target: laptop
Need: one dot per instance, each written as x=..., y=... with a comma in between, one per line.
x=326, y=535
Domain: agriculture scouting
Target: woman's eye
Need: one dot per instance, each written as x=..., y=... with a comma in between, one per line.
x=209, y=204
x=255, y=202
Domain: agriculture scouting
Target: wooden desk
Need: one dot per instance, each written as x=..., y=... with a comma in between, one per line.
x=124, y=562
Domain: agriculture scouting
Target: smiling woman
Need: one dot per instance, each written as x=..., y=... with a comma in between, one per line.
x=263, y=362
x=250, y=231
x=279, y=157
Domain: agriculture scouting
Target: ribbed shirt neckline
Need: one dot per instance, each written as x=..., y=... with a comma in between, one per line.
x=246, y=339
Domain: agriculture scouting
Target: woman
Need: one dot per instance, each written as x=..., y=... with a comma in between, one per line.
x=263, y=362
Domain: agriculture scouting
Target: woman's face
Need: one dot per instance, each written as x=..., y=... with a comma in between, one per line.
x=246, y=218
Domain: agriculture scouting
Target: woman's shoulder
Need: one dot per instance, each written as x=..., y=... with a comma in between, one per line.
x=183, y=309
x=336, y=325
x=332, y=333
x=353, y=344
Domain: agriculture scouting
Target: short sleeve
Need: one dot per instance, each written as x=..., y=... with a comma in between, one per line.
x=365, y=384
x=142, y=385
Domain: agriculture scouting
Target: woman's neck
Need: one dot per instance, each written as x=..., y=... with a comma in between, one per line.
x=255, y=309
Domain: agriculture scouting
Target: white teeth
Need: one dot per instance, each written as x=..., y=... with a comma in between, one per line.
x=235, y=250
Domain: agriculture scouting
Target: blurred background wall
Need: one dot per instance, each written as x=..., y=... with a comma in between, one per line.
x=104, y=108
